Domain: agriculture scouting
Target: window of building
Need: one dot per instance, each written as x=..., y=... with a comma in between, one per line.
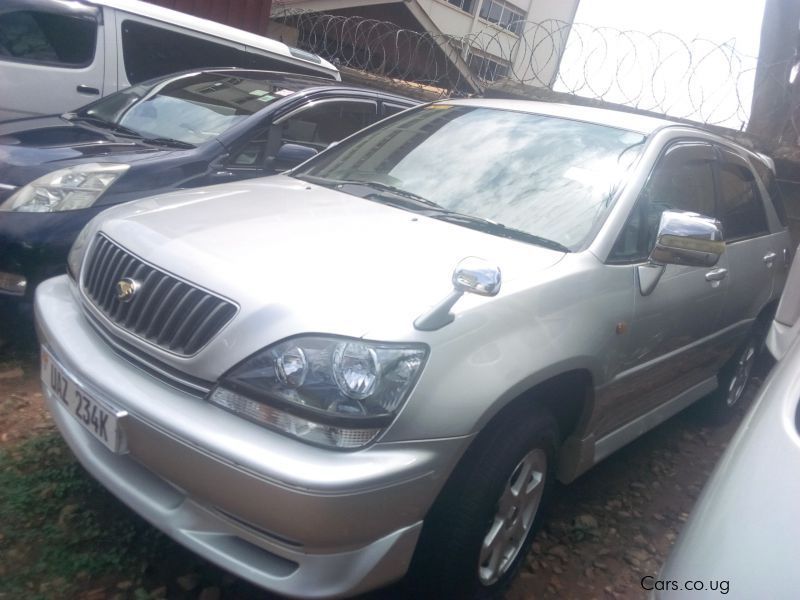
x=503, y=14
x=465, y=5
x=486, y=68
x=39, y=37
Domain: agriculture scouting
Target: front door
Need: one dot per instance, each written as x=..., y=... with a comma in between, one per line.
x=672, y=332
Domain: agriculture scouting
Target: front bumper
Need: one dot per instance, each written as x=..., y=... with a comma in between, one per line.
x=296, y=519
x=35, y=245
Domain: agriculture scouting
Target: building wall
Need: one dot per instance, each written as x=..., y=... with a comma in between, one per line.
x=249, y=15
x=519, y=50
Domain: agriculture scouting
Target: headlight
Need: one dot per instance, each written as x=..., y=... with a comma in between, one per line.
x=76, y=253
x=66, y=189
x=333, y=392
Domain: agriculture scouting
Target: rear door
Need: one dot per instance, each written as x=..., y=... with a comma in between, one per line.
x=51, y=56
x=754, y=254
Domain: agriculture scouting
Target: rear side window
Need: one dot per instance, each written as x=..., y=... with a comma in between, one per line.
x=773, y=190
x=47, y=38
x=741, y=210
x=266, y=63
x=150, y=51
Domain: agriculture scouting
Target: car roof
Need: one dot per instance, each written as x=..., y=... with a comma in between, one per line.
x=224, y=32
x=612, y=118
x=295, y=81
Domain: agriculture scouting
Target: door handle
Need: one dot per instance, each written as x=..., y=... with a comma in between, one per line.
x=769, y=258
x=87, y=89
x=717, y=274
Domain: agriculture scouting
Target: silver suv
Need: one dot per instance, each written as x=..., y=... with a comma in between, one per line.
x=377, y=364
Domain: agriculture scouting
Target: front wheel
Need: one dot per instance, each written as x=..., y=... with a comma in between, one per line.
x=480, y=529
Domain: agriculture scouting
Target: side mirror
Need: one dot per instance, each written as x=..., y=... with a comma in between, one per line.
x=686, y=238
x=473, y=276
x=477, y=276
x=291, y=155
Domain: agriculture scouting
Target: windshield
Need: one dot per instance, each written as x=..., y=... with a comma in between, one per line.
x=191, y=109
x=548, y=177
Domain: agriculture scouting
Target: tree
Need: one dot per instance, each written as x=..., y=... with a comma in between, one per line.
x=776, y=102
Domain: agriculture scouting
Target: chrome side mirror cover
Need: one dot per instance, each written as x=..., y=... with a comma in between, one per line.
x=477, y=276
x=472, y=275
x=687, y=238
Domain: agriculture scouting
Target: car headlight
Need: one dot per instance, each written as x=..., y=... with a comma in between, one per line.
x=66, y=189
x=334, y=392
x=77, y=252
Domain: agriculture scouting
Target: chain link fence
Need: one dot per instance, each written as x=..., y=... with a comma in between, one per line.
x=699, y=79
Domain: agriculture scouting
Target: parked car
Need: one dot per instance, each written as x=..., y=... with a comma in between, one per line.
x=377, y=364
x=742, y=533
x=785, y=327
x=186, y=130
x=57, y=56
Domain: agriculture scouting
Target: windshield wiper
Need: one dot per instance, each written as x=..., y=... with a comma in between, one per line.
x=376, y=185
x=495, y=228
x=162, y=141
x=102, y=123
x=400, y=198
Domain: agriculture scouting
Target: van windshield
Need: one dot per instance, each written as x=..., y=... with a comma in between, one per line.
x=190, y=109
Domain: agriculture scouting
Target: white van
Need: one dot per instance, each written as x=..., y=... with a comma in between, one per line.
x=57, y=55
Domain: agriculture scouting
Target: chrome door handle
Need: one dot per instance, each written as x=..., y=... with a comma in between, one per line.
x=87, y=89
x=769, y=258
x=717, y=274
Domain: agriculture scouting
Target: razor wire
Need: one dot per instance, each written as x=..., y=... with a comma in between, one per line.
x=698, y=79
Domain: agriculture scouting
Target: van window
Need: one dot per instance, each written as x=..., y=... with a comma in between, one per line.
x=47, y=38
x=150, y=51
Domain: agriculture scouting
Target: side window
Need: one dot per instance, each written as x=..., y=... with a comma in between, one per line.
x=328, y=122
x=47, y=38
x=741, y=210
x=317, y=126
x=150, y=51
x=773, y=190
x=267, y=63
x=683, y=179
x=392, y=109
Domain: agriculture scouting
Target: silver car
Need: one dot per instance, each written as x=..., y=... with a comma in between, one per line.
x=377, y=365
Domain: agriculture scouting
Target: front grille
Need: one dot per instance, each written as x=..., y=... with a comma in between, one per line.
x=164, y=310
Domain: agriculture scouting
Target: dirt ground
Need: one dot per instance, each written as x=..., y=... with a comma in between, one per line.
x=605, y=531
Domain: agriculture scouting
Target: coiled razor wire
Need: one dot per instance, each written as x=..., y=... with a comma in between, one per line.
x=696, y=79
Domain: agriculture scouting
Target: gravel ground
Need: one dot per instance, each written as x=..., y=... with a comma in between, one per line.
x=605, y=532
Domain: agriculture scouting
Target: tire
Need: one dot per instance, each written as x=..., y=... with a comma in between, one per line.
x=734, y=378
x=480, y=528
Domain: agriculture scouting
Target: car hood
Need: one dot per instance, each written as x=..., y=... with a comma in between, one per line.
x=30, y=148
x=297, y=257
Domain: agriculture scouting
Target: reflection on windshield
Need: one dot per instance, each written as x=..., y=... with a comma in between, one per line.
x=191, y=109
x=546, y=176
